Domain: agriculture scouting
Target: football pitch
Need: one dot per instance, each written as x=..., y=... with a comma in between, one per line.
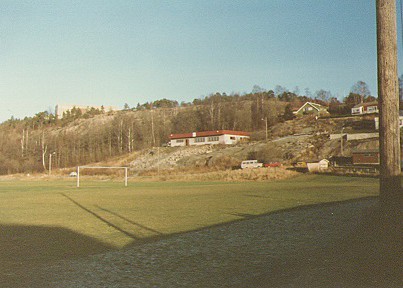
x=106, y=214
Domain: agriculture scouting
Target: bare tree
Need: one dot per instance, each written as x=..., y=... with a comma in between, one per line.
x=280, y=90
x=152, y=127
x=361, y=88
x=44, y=149
x=323, y=95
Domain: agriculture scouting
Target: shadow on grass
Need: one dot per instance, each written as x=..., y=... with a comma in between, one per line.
x=242, y=217
x=110, y=224
x=130, y=221
x=128, y=234
x=369, y=256
x=255, y=196
x=24, y=248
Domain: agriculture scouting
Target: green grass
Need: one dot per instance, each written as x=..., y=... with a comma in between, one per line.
x=117, y=216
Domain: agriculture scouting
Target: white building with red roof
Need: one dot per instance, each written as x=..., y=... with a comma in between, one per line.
x=365, y=108
x=226, y=137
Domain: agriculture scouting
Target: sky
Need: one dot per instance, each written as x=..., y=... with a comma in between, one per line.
x=97, y=52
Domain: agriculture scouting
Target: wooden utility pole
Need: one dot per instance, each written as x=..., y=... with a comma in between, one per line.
x=388, y=93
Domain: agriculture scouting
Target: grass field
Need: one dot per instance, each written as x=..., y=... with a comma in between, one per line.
x=107, y=215
x=45, y=222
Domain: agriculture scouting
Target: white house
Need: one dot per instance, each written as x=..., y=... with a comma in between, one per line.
x=365, y=108
x=227, y=137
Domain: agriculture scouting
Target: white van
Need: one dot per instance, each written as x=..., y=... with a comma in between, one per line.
x=251, y=164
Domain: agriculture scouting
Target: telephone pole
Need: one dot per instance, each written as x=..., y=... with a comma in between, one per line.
x=388, y=93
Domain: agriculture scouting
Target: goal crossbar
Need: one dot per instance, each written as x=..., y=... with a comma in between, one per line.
x=100, y=167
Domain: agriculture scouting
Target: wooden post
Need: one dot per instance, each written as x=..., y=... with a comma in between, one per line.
x=78, y=176
x=341, y=142
x=125, y=176
x=158, y=163
x=50, y=163
x=388, y=93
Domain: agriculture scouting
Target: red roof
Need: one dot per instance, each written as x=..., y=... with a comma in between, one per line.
x=208, y=133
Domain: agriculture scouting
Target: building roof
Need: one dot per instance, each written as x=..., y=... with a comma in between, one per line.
x=366, y=104
x=316, y=106
x=208, y=133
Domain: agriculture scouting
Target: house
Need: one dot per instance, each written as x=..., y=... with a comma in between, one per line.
x=366, y=157
x=312, y=108
x=320, y=166
x=324, y=164
x=365, y=108
x=227, y=137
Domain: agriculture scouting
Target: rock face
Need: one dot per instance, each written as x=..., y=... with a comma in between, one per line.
x=167, y=157
x=286, y=150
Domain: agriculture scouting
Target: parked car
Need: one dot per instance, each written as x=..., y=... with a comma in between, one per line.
x=300, y=166
x=272, y=164
x=251, y=164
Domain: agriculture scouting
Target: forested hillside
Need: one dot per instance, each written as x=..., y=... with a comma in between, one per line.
x=78, y=138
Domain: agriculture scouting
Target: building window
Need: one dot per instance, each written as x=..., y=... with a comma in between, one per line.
x=232, y=138
x=180, y=141
x=200, y=139
x=369, y=155
x=212, y=138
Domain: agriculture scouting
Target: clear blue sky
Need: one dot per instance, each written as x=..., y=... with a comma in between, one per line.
x=115, y=52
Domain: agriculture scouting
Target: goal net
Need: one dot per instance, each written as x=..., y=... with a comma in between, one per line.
x=80, y=168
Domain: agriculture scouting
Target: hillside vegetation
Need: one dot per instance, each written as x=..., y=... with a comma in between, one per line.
x=78, y=138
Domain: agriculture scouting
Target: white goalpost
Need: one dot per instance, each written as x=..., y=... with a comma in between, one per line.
x=99, y=167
